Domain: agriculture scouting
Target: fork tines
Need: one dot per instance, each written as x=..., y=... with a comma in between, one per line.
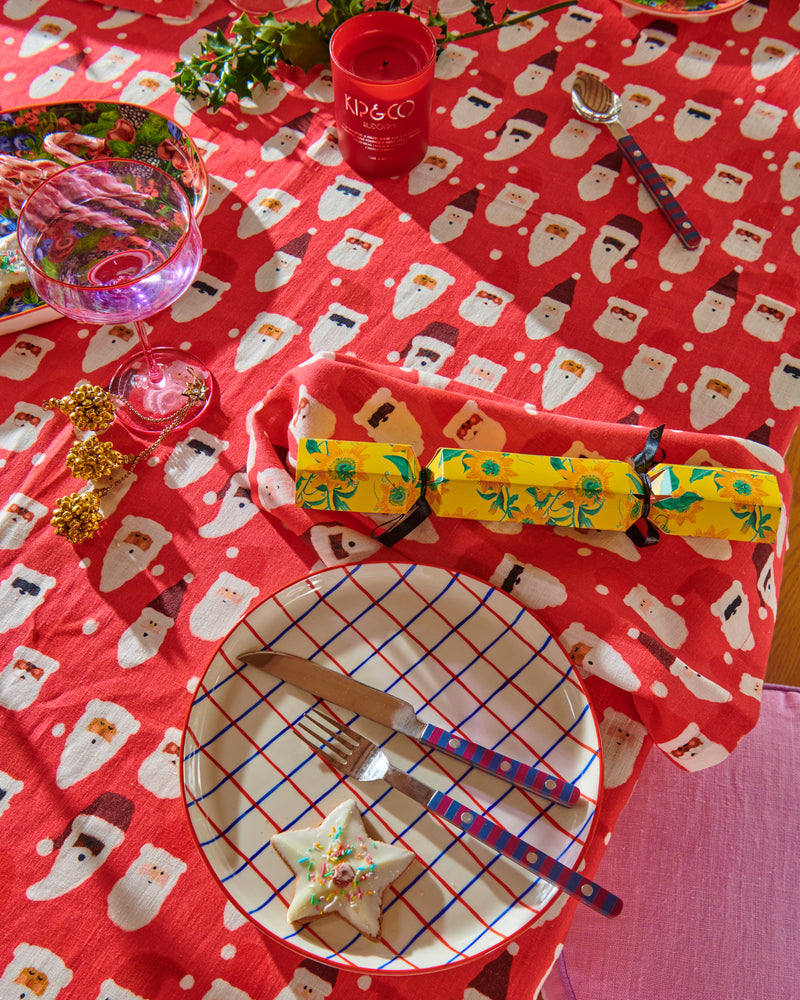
x=331, y=731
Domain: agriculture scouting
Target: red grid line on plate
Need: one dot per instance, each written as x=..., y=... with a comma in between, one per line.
x=324, y=945
x=512, y=685
x=367, y=805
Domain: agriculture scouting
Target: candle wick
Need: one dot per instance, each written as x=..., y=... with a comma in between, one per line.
x=385, y=63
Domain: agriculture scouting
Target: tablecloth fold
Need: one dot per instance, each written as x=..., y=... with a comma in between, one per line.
x=684, y=626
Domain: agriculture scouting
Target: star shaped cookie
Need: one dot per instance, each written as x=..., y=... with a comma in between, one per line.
x=340, y=869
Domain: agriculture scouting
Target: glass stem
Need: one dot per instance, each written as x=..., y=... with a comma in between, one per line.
x=154, y=373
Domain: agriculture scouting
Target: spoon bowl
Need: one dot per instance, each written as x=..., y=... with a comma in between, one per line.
x=594, y=101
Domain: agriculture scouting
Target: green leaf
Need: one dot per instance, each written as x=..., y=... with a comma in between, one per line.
x=312, y=446
x=680, y=503
x=558, y=463
x=302, y=46
x=700, y=473
x=402, y=466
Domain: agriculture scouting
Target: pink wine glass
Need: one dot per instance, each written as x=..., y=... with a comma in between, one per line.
x=115, y=241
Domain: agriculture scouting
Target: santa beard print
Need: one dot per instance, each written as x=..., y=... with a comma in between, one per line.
x=21, y=593
x=692, y=750
x=727, y=183
x=45, y=33
x=34, y=972
x=762, y=121
x=336, y=328
x=420, y=288
x=342, y=197
x=784, y=383
x=22, y=427
x=236, y=509
x=112, y=64
x=225, y=602
x=18, y=519
x=593, y=656
x=694, y=120
x=100, y=733
x=510, y=206
x=716, y=392
x=697, y=61
x=531, y=585
x=266, y=335
x=107, y=345
x=268, y=207
x=646, y=375
x=567, y=375
x=146, y=87
x=622, y=739
x=553, y=236
x=139, y=895
x=22, y=358
x=23, y=676
x=159, y=771
x=484, y=306
x=325, y=150
x=770, y=56
x=192, y=458
x=438, y=164
x=135, y=545
x=766, y=319
x=203, y=294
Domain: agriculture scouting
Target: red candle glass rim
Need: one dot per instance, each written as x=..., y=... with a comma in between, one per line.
x=185, y=207
x=382, y=20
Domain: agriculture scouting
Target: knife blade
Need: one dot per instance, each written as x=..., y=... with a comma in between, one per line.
x=399, y=715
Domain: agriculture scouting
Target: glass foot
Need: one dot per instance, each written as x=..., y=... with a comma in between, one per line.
x=151, y=405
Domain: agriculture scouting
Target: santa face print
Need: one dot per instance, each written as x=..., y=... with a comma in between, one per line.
x=790, y=177
x=485, y=304
x=202, y=295
x=784, y=383
x=266, y=335
x=8, y=789
x=107, y=345
x=159, y=771
x=218, y=190
x=336, y=545
x=265, y=100
x=622, y=739
x=268, y=207
x=472, y=428
x=354, y=250
x=135, y=545
x=532, y=79
x=692, y=750
x=275, y=488
x=591, y=655
x=225, y=602
x=473, y=108
x=50, y=81
x=597, y=183
x=514, y=35
x=112, y=64
x=612, y=245
x=678, y=259
x=567, y=375
x=748, y=17
x=716, y=392
x=453, y=61
x=276, y=272
x=766, y=582
x=336, y=328
x=514, y=138
x=236, y=509
x=712, y=312
x=510, y=206
x=142, y=639
x=574, y=139
x=576, y=23
x=146, y=87
x=20, y=429
x=100, y=733
x=34, y=973
x=694, y=120
x=697, y=60
x=766, y=319
x=192, y=458
x=342, y=197
x=325, y=150
x=553, y=235
x=727, y=183
x=18, y=10
x=44, y=34
x=311, y=419
x=419, y=288
x=21, y=359
x=545, y=319
x=139, y=895
x=650, y=44
x=22, y=678
x=282, y=144
x=619, y=321
x=745, y=240
x=481, y=373
x=638, y=104
x=762, y=121
x=389, y=420
x=438, y=164
x=18, y=518
x=663, y=622
x=770, y=56
x=21, y=593
x=533, y=586
x=647, y=373
x=321, y=89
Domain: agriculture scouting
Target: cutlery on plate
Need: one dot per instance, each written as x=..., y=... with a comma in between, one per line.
x=396, y=714
x=598, y=103
x=354, y=755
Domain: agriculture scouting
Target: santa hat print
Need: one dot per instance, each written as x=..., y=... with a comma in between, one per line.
x=563, y=291
x=72, y=62
x=665, y=29
x=327, y=973
x=491, y=983
x=654, y=647
x=611, y=161
x=437, y=336
x=624, y=226
x=238, y=478
x=467, y=202
x=547, y=61
x=107, y=819
x=761, y=434
x=300, y=124
x=168, y=603
x=527, y=116
x=297, y=246
x=727, y=285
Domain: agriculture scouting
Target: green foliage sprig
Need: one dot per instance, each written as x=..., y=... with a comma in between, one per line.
x=235, y=64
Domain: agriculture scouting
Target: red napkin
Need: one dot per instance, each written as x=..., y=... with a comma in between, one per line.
x=161, y=8
x=682, y=628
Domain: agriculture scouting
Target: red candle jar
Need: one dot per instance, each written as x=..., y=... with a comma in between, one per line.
x=382, y=65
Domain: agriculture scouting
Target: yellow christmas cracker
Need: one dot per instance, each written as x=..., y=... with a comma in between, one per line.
x=583, y=493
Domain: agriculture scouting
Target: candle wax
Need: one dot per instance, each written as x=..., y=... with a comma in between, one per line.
x=384, y=59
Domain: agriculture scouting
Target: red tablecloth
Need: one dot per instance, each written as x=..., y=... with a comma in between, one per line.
x=518, y=288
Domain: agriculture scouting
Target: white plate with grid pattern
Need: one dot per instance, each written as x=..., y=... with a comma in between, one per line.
x=477, y=662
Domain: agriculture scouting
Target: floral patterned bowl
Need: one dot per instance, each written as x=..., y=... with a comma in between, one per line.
x=39, y=139
x=674, y=9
